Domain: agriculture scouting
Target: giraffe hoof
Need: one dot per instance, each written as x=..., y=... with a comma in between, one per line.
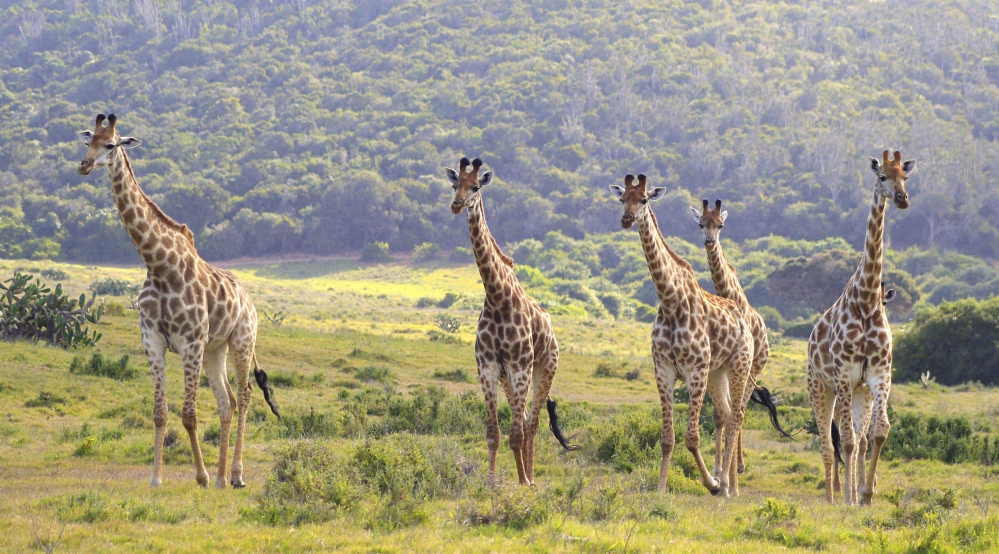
x=237, y=484
x=202, y=481
x=742, y=469
x=155, y=482
x=220, y=483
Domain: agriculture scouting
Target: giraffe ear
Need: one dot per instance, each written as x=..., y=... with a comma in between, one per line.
x=876, y=166
x=129, y=142
x=451, y=175
x=657, y=193
x=618, y=191
x=697, y=215
x=908, y=166
x=889, y=294
x=87, y=135
x=486, y=178
x=724, y=216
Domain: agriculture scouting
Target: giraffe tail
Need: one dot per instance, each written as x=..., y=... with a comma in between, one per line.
x=763, y=397
x=553, y=423
x=835, y=439
x=261, y=377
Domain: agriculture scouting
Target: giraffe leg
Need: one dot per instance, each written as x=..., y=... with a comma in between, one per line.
x=718, y=392
x=822, y=400
x=719, y=432
x=192, y=357
x=214, y=366
x=516, y=395
x=863, y=402
x=544, y=373
x=242, y=344
x=759, y=362
x=692, y=438
x=848, y=440
x=665, y=381
x=739, y=367
x=155, y=351
x=879, y=433
x=488, y=380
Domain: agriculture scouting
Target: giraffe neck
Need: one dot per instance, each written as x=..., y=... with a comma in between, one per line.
x=160, y=240
x=723, y=275
x=867, y=282
x=672, y=275
x=495, y=267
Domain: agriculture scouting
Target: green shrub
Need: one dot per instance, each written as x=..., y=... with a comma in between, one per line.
x=456, y=375
x=113, y=286
x=646, y=314
x=799, y=330
x=955, y=342
x=425, y=252
x=101, y=367
x=947, y=439
x=373, y=373
x=375, y=252
x=32, y=311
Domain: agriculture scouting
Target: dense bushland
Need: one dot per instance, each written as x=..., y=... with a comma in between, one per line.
x=262, y=120
x=955, y=342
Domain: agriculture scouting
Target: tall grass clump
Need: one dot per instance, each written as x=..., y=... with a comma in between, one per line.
x=392, y=477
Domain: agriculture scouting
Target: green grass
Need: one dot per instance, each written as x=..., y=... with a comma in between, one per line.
x=382, y=444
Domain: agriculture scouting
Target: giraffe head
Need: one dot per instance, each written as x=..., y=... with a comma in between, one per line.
x=892, y=174
x=635, y=198
x=101, y=142
x=887, y=294
x=710, y=221
x=467, y=184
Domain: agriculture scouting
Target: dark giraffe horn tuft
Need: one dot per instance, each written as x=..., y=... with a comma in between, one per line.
x=717, y=204
x=704, y=202
x=477, y=163
x=641, y=179
x=100, y=119
x=898, y=157
x=884, y=157
x=463, y=163
x=629, y=179
x=112, y=119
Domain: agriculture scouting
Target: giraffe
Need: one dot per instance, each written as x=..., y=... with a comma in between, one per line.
x=849, y=350
x=726, y=282
x=515, y=344
x=697, y=337
x=186, y=306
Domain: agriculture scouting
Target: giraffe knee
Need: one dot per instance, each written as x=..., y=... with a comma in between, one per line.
x=190, y=421
x=880, y=434
x=516, y=439
x=160, y=420
x=692, y=440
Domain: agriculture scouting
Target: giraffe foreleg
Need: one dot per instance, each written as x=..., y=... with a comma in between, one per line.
x=192, y=357
x=848, y=440
x=489, y=381
x=863, y=402
x=718, y=391
x=155, y=351
x=880, y=387
x=759, y=362
x=692, y=438
x=665, y=381
x=823, y=403
x=215, y=370
x=738, y=375
x=516, y=385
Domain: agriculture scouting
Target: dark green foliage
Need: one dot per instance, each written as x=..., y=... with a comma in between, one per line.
x=457, y=375
x=101, y=367
x=447, y=323
x=375, y=252
x=373, y=373
x=948, y=439
x=425, y=252
x=281, y=126
x=956, y=342
x=29, y=310
x=113, y=286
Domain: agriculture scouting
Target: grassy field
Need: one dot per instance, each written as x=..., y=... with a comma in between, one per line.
x=382, y=445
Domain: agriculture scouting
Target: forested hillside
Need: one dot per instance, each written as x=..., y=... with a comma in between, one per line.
x=301, y=125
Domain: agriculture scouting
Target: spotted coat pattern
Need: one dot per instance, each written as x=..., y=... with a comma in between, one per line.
x=849, y=352
x=726, y=282
x=515, y=344
x=697, y=337
x=186, y=306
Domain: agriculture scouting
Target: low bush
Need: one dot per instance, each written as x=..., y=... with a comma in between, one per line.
x=947, y=439
x=425, y=252
x=375, y=252
x=113, y=286
x=100, y=366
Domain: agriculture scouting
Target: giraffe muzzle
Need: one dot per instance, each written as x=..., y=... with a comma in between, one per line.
x=457, y=206
x=86, y=166
x=627, y=220
x=901, y=201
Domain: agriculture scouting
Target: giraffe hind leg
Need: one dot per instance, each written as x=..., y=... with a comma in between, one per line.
x=155, y=351
x=192, y=359
x=215, y=370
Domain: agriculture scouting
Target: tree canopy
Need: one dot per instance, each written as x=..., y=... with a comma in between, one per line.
x=311, y=126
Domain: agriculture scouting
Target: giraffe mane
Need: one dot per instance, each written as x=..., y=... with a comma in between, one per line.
x=157, y=212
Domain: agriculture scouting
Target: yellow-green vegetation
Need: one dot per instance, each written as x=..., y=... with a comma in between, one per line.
x=382, y=443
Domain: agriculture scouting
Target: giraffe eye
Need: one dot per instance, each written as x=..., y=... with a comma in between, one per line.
x=701, y=225
x=645, y=200
x=110, y=147
x=476, y=188
x=721, y=226
x=883, y=178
